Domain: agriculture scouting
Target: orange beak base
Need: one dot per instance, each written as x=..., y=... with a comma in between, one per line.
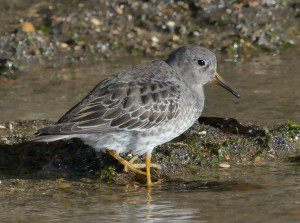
x=217, y=79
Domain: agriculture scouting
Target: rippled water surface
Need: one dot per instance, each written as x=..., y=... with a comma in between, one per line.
x=269, y=88
x=251, y=194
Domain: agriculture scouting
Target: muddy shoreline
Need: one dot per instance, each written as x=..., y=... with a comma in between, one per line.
x=202, y=147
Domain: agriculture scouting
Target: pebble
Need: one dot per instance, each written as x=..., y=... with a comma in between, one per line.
x=155, y=39
x=175, y=38
x=62, y=45
x=256, y=159
x=227, y=157
x=202, y=132
x=224, y=165
x=171, y=25
x=27, y=27
x=196, y=33
x=229, y=11
x=95, y=21
x=86, y=180
x=10, y=127
x=63, y=185
x=76, y=48
x=270, y=155
x=119, y=9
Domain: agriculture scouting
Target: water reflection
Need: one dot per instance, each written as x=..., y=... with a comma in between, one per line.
x=177, y=186
x=237, y=194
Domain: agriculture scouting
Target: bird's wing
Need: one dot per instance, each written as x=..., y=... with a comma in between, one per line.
x=145, y=98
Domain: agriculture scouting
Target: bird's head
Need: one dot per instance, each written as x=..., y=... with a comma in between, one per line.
x=197, y=66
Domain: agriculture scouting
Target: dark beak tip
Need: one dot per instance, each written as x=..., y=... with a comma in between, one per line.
x=223, y=84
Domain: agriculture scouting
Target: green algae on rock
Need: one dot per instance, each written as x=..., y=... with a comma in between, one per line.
x=203, y=147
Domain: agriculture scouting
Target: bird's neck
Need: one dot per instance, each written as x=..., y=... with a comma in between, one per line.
x=198, y=94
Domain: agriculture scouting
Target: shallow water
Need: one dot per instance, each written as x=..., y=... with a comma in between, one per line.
x=269, y=88
x=238, y=194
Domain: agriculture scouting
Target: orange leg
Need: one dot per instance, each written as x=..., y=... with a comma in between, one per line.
x=126, y=164
x=142, y=165
x=131, y=166
x=148, y=162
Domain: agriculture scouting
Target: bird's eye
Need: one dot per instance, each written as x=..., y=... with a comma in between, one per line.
x=201, y=62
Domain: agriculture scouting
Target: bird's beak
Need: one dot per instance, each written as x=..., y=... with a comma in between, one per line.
x=217, y=79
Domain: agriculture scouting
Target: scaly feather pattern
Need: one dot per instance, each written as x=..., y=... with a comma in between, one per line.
x=137, y=99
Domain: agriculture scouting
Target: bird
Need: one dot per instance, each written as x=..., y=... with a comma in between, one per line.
x=138, y=109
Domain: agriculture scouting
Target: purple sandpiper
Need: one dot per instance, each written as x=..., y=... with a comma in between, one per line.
x=138, y=109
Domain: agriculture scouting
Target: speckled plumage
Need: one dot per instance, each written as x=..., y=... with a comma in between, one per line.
x=138, y=109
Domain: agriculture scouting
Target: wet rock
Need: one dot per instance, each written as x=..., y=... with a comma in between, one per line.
x=199, y=148
x=232, y=125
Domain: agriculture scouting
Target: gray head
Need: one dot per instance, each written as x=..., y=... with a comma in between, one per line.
x=197, y=66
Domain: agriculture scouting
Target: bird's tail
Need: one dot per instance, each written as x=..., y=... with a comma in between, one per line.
x=50, y=133
x=48, y=138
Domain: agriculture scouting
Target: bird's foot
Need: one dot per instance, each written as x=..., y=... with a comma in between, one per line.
x=140, y=165
x=127, y=164
x=130, y=165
